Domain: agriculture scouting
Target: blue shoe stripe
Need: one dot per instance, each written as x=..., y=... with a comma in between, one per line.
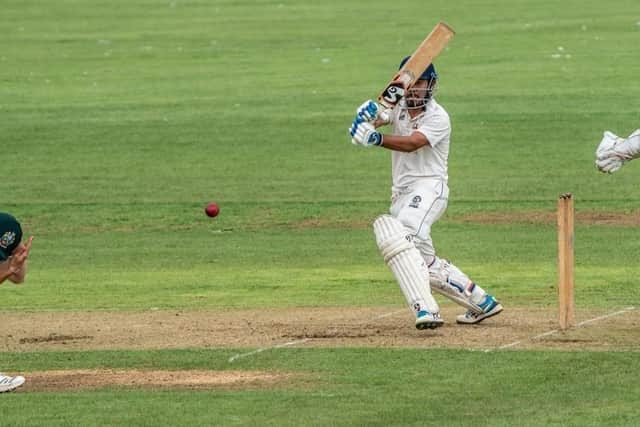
x=488, y=304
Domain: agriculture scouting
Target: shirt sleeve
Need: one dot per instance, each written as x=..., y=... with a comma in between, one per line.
x=436, y=128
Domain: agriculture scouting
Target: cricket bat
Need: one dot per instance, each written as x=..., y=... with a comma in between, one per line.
x=424, y=55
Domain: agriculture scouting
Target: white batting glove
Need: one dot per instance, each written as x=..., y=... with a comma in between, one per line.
x=368, y=111
x=363, y=133
x=614, y=151
x=384, y=116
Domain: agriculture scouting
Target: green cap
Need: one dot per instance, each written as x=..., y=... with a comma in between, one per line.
x=10, y=235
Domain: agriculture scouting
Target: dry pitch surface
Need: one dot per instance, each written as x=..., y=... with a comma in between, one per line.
x=265, y=329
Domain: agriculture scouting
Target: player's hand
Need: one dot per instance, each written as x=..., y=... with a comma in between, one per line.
x=368, y=111
x=363, y=133
x=19, y=257
x=384, y=117
x=605, y=157
x=609, y=165
x=614, y=151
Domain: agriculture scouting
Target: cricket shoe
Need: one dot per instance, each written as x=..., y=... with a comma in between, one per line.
x=426, y=320
x=490, y=307
x=8, y=383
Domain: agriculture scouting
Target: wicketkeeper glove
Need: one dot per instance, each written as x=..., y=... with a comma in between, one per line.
x=614, y=151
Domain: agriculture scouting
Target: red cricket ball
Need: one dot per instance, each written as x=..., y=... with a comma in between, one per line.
x=212, y=209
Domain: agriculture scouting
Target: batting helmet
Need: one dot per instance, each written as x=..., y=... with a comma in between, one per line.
x=428, y=74
x=418, y=98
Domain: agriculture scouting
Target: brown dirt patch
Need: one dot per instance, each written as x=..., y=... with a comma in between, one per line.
x=310, y=327
x=588, y=217
x=85, y=379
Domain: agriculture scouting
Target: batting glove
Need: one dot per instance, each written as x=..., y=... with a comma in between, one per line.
x=363, y=133
x=368, y=111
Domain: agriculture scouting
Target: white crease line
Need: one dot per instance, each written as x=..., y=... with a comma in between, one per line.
x=388, y=314
x=606, y=315
x=513, y=344
x=291, y=343
x=595, y=319
x=551, y=332
x=260, y=350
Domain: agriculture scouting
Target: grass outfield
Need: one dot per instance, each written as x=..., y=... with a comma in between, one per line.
x=120, y=120
x=353, y=387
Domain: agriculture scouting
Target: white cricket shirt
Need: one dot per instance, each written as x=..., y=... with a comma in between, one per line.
x=427, y=161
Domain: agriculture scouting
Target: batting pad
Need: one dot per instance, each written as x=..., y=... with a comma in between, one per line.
x=449, y=281
x=400, y=254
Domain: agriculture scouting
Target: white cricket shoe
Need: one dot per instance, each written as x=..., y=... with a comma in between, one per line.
x=8, y=383
x=490, y=307
x=426, y=320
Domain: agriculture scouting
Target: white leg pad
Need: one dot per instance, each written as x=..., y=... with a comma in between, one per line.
x=409, y=268
x=449, y=281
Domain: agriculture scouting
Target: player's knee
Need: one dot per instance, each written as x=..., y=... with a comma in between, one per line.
x=391, y=236
x=425, y=246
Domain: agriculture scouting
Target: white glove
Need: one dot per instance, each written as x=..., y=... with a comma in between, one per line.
x=368, y=111
x=384, y=116
x=613, y=151
x=363, y=133
x=609, y=165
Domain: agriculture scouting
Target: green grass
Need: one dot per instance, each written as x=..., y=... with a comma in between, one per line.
x=113, y=258
x=119, y=121
x=351, y=387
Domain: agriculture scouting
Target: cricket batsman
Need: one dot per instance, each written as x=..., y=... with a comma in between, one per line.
x=13, y=266
x=419, y=142
x=613, y=151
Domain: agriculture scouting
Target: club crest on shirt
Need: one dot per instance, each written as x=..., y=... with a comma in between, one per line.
x=415, y=202
x=7, y=239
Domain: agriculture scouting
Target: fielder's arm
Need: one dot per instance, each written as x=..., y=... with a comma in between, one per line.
x=18, y=276
x=15, y=268
x=6, y=273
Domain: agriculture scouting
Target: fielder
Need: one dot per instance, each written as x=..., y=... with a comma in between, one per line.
x=613, y=151
x=13, y=266
x=419, y=142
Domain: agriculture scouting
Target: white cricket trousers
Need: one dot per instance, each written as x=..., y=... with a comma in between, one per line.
x=417, y=207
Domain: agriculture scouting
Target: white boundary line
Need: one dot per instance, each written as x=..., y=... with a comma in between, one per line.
x=553, y=331
x=296, y=342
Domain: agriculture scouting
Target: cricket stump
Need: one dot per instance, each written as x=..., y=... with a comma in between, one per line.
x=565, y=261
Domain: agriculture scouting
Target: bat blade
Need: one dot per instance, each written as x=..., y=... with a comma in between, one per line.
x=424, y=55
